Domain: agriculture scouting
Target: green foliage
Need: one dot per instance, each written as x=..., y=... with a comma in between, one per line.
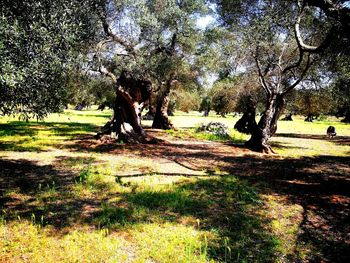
x=185, y=100
x=85, y=174
x=340, y=88
x=205, y=104
x=224, y=96
x=81, y=87
x=312, y=102
x=38, y=40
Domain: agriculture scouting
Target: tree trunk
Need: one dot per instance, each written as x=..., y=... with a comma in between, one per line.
x=125, y=124
x=150, y=113
x=161, y=119
x=288, y=117
x=347, y=117
x=267, y=125
x=309, y=118
x=247, y=123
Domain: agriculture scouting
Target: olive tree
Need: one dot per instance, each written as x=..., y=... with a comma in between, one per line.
x=143, y=49
x=283, y=40
x=39, y=41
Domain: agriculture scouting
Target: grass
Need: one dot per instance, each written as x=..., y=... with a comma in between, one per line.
x=178, y=202
x=234, y=136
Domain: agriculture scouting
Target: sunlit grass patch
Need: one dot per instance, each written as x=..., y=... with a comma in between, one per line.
x=39, y=136
x=171, y=243
x=233, y=136
x=225, y=206
x=285, y=219
x=317, y=127
x=25, y=242
x=129, y=164
x=299, y=147
x=94, y=181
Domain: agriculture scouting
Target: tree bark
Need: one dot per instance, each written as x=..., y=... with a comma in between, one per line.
x=267, y=126
x=347, y=116
x=150, y=113
x=288, y=117
x=125, y=124
x=309, y=118
x=161, y=119
x=247, y=123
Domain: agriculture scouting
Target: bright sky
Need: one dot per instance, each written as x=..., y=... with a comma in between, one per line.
x=203, y=21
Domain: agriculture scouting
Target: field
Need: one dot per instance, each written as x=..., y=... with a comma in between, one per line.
x=192, y=197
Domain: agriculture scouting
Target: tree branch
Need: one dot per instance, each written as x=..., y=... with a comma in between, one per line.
x=301, y=77
x=108, y=31
x=261, y=76
x=297, y=63
x=308, y=48
x=103, y=70
x=167, y=50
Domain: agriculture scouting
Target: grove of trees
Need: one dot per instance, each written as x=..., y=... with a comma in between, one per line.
x=141, y=54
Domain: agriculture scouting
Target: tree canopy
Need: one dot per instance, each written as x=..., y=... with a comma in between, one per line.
x=39, y=41
x=277, y=45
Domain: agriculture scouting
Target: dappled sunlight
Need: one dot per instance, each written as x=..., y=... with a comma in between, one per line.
x=208, y=199
x=131, y=204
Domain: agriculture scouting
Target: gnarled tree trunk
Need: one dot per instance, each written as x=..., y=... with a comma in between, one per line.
x=247, y=123
x=125, y=124
x=267, y=126
x=161, y=118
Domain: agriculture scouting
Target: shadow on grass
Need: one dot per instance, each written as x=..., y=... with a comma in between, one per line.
x=319, y=184
x=225, y=205
x=340, y=140
x=27, y=189
x=102, y=115
x=17, y=128
x=192, y=133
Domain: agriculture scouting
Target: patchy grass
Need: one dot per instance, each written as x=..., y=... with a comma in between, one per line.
x=191, y=133
x=187, y=200
x=23, y=241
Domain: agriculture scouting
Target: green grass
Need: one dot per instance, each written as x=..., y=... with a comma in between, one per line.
x=61, y=202
x=191, y=133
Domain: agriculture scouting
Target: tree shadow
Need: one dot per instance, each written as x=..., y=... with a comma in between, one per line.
x=225, y=204
x=320, y=185
x=25, y=176
x=18, y=128
x=29, y=190
x=340, y=140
